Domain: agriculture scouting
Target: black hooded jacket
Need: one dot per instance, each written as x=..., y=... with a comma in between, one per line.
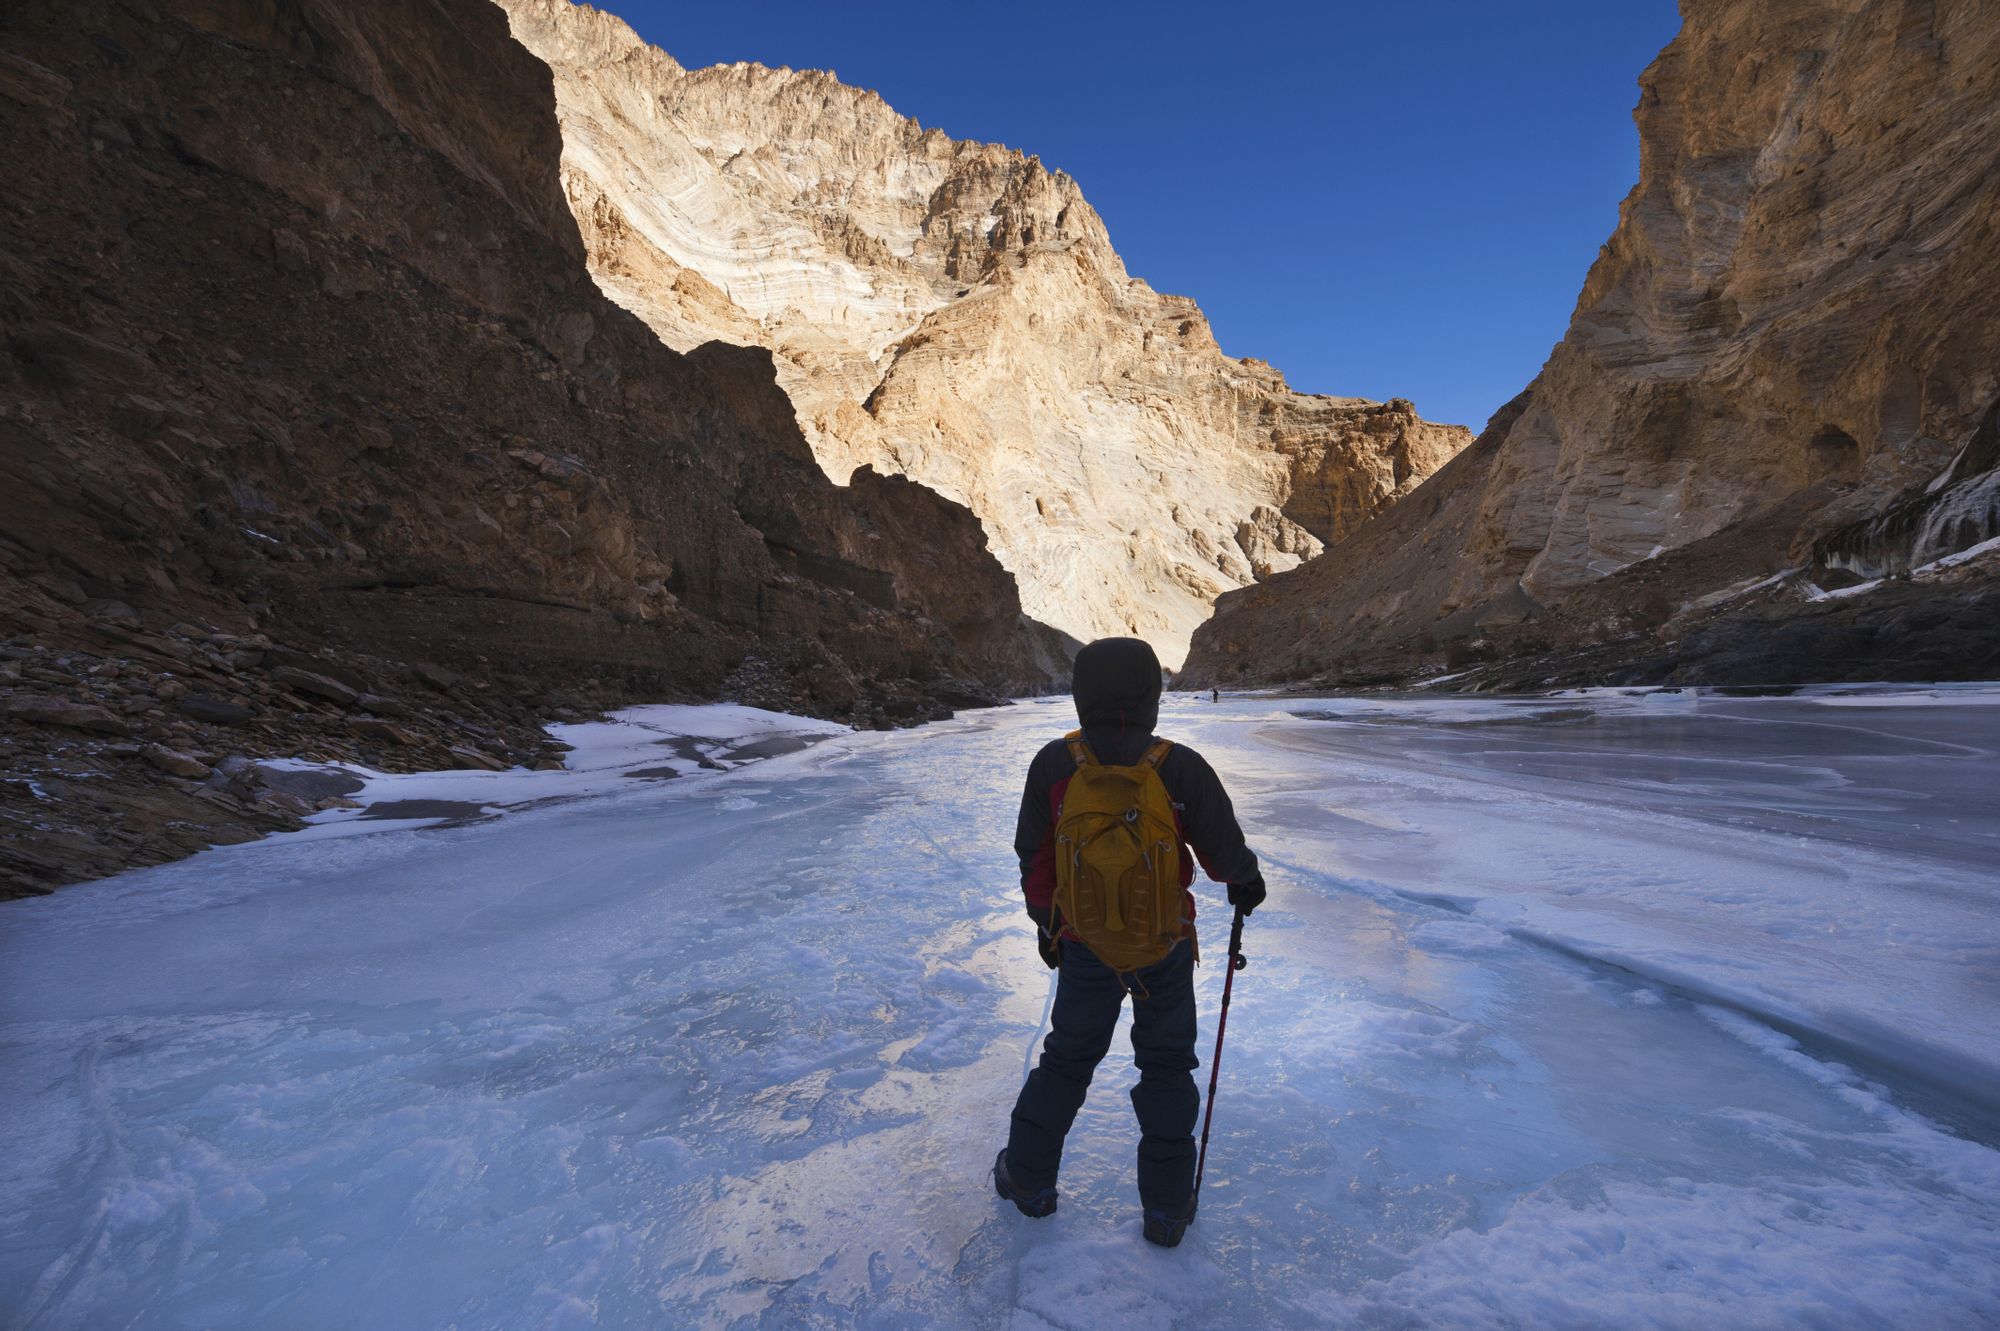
x=1116, y=685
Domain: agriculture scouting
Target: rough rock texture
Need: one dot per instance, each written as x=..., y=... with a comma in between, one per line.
x=1794, y=321
x=316, y=437
x=954, y=312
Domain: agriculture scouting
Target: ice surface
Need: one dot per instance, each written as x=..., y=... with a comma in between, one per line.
x=1635, y=1009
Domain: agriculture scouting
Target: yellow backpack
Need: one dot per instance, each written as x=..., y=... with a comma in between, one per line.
x=1118, y=859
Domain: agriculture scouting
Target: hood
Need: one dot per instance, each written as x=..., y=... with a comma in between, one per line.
x=1116, y=682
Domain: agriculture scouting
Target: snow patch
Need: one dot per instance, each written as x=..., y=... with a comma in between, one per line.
x=659, y=741
x=1843, y=593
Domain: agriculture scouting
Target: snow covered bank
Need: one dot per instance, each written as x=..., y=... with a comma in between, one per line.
x=659, y=741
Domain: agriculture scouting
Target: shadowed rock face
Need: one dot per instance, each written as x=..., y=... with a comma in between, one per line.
x=953, y=312
x=1794, y=322
x=317, y=438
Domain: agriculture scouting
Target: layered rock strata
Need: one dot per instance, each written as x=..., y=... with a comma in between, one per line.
x=1794, y=322
x=955, y=312
x=317, y=439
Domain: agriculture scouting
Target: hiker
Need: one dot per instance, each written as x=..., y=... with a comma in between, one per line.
x=1126, y=891
x=1215, y=695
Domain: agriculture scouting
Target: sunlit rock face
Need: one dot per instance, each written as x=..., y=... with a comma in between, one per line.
x=955, y=313
x=1794, y=322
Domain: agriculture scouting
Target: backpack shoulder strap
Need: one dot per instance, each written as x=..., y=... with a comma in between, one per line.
x=1080, y=750
x=1157, y=754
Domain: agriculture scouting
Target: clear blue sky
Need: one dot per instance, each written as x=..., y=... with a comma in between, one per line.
x=1391, y=198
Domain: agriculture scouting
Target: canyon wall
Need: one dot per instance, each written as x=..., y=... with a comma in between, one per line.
x=318, y=440
x=1794, y=324
x=954, y=312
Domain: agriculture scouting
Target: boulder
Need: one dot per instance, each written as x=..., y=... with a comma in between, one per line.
x=378, y=728
x=313, y=684
x=473, y=760
x=175, y=763
x=41, y=709
x=309, y=783
x=213, y=710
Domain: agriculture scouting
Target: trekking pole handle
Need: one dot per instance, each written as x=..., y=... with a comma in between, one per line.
x=1237, y=961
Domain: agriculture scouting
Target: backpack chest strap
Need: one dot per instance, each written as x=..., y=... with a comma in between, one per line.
x=1080, y=751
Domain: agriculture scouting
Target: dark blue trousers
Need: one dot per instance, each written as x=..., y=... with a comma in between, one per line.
x=1088, y=996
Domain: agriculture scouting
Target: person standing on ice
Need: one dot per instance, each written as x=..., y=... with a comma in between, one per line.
x=1107, y=820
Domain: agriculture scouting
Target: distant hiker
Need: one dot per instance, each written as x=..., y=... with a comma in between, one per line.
x=1215, y=695
x=1106, y=822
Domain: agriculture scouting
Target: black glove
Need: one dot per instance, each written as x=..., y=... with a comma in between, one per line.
x=1045, y=939
x=1247, y=895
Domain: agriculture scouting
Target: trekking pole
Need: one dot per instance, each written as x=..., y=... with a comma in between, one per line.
x=1237, y=961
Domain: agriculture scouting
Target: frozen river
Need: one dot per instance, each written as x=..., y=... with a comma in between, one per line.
x=1646, y=1010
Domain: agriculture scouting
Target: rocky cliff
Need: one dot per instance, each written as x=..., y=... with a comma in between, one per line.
x=317, y=439
x=1794, y=324
x=955, y=313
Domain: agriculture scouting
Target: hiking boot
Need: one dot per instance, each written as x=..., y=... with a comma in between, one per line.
x=1032, y=1204
x=1165, y=1228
